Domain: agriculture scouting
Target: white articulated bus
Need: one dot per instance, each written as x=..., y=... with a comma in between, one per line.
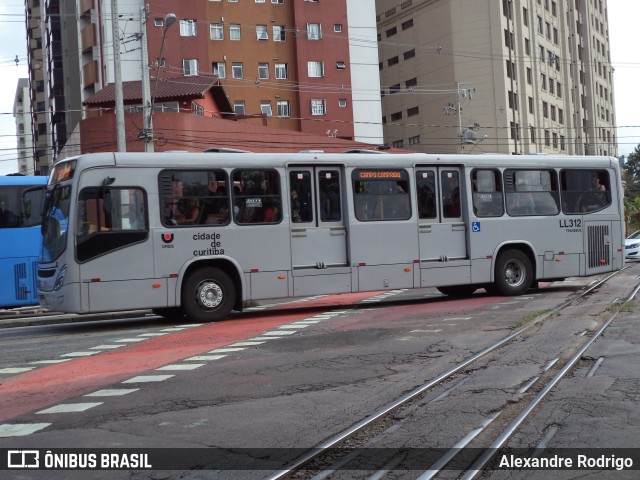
x=204, y=233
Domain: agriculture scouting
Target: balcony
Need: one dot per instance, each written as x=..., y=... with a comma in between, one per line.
x=85, y=6
x=88, y=37
x=90, y=74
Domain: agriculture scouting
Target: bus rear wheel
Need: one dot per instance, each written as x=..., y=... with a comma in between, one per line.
x=458, y=290
x=514, y=273
x=208, y=295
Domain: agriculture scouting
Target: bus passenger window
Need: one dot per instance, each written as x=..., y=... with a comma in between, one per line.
x=329, y=186
x=487, y=193
x=426, y=191
x=300, y=196
x=256, y=200
x=381, y=194
x=450, y=185
x=585, y=190
x=531, y=192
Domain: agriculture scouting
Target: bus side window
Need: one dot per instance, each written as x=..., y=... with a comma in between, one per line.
x=330, y=205
x=450, y=184
x=585, y=190
x=487, y=193
x=300, y=197
x=426, y=191
x=257, y=200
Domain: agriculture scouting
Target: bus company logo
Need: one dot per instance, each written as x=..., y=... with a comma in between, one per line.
x=23, y=459
x=167, y=240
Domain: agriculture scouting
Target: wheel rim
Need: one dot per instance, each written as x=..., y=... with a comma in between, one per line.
x=209, y=295
x=514, y=273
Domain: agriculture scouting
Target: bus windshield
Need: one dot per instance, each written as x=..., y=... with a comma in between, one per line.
x=56, y=221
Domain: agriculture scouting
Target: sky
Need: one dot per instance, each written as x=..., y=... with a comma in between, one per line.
x=625, y=56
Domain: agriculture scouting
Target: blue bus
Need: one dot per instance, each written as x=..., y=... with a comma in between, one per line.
x=20, y=238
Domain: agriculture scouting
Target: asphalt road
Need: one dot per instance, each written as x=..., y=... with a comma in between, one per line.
x=286, y=377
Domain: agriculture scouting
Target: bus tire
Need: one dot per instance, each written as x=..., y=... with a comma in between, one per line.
x=514, y=273
x=208, y=295
x=458, y=290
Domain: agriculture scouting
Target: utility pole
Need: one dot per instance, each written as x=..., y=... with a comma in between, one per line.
x=147, y=132
x=120, y=135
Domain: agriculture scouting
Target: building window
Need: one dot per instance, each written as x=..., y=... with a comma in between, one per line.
x=409, y=54
x=413, y=111
x=412, y=82
x=281, y=71
x=396, y=116
x=414, y=140
x=220, y=69
x=283, y=108
x=397, y=143
x=279, y=34
x=236, y=70
x=265, y=107
x=315, y=69
x=234, y=31
x=342, y=102
x=238, y=107
x=216, y=31
x=158, y=22
x=277, y=1
x=340, y=65
x=188, y=28
x=189, y=67
x=318, y=106
x=391, y=32
x=393, y=61
x=263, y=71
x=337, y=27
x=407, y=24
x=314, y=31
x=261, y=32
x=197, y=109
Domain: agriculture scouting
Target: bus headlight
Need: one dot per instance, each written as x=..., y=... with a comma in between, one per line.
x=60, y=280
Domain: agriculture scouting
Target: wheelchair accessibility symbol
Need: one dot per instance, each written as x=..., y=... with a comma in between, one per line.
x=475, y=226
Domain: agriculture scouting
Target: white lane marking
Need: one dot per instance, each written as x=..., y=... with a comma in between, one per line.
x=130, y=340
x=426, y=331
x=112, y=392
x=79, y=354
x=204, y=358
x=303, y=322
x=20, y=429
x=181, y=366
x=452, y=319
x=70, y=408
x=16, y=369
x=298, y=327
x=156, y=334
x=105, y=347
x=148, y=378
x=227, y=350
x=46, y=362
x=278, y=332
x=173, y=329
x=191, y=325
x=246, y=344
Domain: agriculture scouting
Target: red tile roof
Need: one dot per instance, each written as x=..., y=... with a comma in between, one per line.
x=175, y=88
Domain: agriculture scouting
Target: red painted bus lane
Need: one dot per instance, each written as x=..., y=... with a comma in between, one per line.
x=46, y=386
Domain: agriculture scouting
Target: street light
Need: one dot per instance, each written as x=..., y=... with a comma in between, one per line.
x=147, y=134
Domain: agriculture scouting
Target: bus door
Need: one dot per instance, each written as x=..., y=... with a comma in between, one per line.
x=441, y=226
x=318, y=232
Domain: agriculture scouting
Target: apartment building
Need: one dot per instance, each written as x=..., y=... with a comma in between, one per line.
x=308, y=66
x=22, y=115
x=509, y=76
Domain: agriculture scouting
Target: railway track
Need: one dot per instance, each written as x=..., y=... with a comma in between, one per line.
x=470, y=455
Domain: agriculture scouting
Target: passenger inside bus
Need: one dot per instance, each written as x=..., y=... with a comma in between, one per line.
x=597, y=199
x=190, y=214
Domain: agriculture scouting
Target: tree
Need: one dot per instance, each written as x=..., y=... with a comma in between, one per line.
x=632, y=177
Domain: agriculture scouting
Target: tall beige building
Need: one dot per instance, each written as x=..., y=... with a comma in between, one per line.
x=508, y=76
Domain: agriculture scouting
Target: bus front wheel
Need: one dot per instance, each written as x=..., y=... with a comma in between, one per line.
x=514, y=273
x=208, y=295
